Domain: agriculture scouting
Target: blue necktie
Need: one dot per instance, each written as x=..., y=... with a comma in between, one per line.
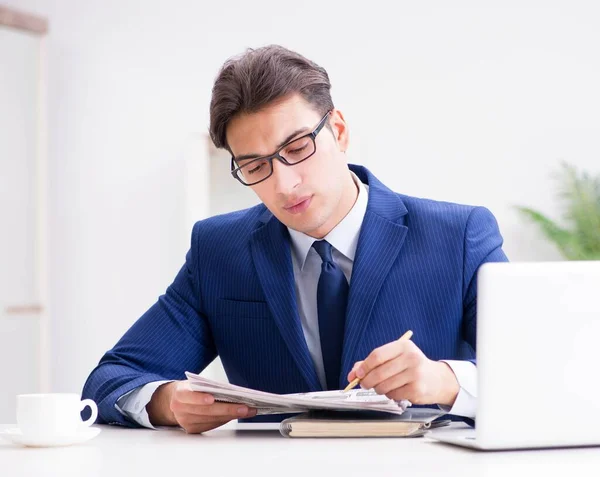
x=332, y=298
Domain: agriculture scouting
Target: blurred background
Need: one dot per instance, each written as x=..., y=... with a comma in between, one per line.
x=464, y=101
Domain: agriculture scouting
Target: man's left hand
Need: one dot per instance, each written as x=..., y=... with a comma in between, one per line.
x=400, y=370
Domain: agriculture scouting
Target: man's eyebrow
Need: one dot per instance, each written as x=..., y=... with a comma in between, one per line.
x=282, y=143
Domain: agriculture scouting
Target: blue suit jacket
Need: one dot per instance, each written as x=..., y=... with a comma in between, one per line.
x=415, y=268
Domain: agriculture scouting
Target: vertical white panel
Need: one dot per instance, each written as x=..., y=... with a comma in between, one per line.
x=42, y=220
x=21, y=214
x=18, y=142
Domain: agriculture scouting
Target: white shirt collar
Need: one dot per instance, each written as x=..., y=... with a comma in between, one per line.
x=343, y=237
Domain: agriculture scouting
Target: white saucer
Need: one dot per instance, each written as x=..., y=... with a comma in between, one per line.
x=16, y=436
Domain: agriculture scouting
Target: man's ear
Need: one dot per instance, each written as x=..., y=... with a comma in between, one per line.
x=339, y=129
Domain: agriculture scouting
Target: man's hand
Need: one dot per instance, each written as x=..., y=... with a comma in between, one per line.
x=175, y=404
x=400, y=370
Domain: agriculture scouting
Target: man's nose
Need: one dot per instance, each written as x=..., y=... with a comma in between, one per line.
x=286, y=178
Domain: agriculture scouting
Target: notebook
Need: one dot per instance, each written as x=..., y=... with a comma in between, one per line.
x=413, y=423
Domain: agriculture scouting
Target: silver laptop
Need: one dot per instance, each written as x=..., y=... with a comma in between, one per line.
x=538, y=357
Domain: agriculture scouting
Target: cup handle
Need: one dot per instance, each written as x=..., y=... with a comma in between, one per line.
x=88, y=402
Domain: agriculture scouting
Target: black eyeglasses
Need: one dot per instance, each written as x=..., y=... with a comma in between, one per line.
x=253, y=171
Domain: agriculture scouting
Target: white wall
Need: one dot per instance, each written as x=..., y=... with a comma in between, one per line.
x=450, y=100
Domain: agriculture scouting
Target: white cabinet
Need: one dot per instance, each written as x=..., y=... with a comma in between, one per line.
x=23, y=311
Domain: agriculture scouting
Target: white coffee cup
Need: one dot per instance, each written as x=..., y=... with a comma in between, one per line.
x=53, y=414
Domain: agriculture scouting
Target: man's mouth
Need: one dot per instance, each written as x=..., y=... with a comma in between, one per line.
x=299, y=205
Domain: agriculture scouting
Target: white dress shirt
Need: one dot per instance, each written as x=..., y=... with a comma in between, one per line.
x=307, y=270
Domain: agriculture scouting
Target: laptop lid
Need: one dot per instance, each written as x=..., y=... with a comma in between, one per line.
x=538, y=354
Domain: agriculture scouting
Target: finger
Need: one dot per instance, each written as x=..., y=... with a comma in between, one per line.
x=193, y=397
x=382, y=373
x=356, y=365
x=352, y=374
x=405, y=392
x=217, y=416
x=381, y=355
x=232, y=411
x=394, y=383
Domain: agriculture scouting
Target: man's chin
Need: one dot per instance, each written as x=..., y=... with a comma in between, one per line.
x=311, y=229
x=305, y=222
x=300, y=224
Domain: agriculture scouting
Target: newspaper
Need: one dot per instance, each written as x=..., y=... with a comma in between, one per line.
x=270, y=403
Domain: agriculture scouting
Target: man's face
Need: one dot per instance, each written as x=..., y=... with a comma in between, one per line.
x=311, y=196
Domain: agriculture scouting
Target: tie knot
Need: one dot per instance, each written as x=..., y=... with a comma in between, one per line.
x=323, y=248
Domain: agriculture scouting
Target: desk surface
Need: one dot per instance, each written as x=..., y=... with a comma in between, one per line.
x=242, y=450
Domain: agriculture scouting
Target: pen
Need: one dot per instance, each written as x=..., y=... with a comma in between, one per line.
x=405, y=336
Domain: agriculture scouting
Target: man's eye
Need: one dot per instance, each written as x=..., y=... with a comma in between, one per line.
x=256, y=167
x=297, y=150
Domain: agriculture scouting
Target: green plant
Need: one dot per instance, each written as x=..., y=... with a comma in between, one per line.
x=580, y=196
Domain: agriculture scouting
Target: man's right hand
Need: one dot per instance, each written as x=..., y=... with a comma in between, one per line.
x=175, y=404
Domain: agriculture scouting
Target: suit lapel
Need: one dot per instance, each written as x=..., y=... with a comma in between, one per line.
x=381, y=238
x=270, y=247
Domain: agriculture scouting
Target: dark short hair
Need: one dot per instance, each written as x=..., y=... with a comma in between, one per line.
x=253, y=80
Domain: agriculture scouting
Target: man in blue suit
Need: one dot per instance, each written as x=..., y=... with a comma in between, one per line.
x=314, y=286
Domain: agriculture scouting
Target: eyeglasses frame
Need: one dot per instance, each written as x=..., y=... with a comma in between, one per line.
x=276, y=155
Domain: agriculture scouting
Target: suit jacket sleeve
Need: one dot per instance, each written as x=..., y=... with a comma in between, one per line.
x=172, y=337
x=483, y=243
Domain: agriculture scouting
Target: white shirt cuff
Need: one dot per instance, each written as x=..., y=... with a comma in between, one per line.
x=465, y=404
x=133, y=404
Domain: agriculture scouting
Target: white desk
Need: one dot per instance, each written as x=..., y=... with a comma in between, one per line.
x=240, y=452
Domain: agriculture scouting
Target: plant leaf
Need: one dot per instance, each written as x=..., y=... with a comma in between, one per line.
x=564, y=239
x=580, y=195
